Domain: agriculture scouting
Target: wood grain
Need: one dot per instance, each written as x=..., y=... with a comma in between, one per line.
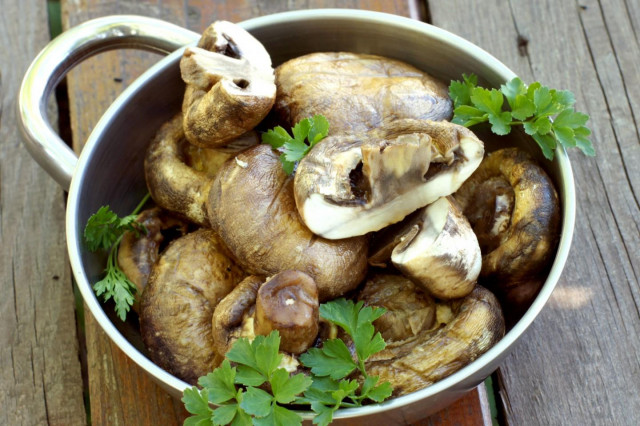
x=115, y=383
x=39, y=368
x=578, y=363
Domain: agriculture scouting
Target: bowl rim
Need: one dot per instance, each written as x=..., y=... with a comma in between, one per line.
x=565, y=177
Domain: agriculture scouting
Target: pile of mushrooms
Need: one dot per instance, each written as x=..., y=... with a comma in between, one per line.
x=390, y=209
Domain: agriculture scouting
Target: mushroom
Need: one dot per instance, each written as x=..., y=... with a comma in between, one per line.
x=191, y=277
x=513, y=208
x=350, y=185
x=439, y=251
x=409, y=311
x=179, y=176
x=138, y=252
x=357, y=92
x=234, y=316
x=464, y=329
x=251, y=206
x=288, y=302
x=230, y=85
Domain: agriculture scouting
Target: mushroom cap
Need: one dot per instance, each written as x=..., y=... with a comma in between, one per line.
x=230, y=85
x=173, y=184
x=233, y=313
x=357, y=92
x=476, y=324
x=350, y=185
x=138, y=252
x=409, y=311
x=514, y=210
x=252, y=208
x=191, y=277
x=440, y=252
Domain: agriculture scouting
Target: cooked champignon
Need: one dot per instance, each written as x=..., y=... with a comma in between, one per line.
x=138, y=252
x=251, y=206
x=191, y=277
x=179, y=175
x=234, y=316
x=230, y=85
x=353, y=184
x=288, y=302
x=475, y=324
x=409, y=310
x=357, y=92
x=439, y=251
x=513, y=208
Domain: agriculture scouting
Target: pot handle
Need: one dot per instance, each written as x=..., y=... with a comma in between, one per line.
x=63, y=53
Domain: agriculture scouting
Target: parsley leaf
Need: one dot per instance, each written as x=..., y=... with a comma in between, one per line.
x=333, y=360
x=103, y=231
x=306, y=133
x=533, y=106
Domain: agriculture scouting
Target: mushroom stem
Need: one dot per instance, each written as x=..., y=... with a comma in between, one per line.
x=288, y=302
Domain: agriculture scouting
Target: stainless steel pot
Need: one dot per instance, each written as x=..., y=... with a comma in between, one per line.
x=109, y=171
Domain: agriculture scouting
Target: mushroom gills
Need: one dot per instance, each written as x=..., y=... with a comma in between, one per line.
x=396, y=163
x=440, y=252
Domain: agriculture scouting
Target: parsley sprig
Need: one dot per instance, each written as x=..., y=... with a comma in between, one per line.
x=547, y=115
x=239, y=392
x=104, y=231
x=312, y=129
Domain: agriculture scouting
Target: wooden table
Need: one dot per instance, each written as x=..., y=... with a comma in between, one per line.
x=578, y=364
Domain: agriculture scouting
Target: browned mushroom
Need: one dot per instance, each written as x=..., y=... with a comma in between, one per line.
x=288, y=302
x=252, y=208
x=353, y=184
x=230, y=85
x=179, y=176
x=464, y=329
x=138, y=252
x=191, y=277
x=357, y=92
x=409, y=310
x=514, y=210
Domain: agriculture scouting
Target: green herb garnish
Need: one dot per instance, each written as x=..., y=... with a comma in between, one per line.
x=312, y=129
x=104, y=231
x=547, y=115
x=239, y=395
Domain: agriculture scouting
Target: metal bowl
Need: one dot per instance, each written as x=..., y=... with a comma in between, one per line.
x=110, y=171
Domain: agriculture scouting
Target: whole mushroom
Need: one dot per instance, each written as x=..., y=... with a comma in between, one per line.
x=251, y=207
x=463, y=330
x=514, y=210
x=186, y=284
x=357, y=92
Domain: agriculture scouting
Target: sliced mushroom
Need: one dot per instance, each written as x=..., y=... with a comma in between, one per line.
x=475, y=324
x=357, y=92
x=179, y=176
x=513, y=208
x=252, y=208
x=409, y=310
x=288, y=302
x=439, y=251
x=350, y=185
x=230, y=85
x=138, y=252
x=191, y=277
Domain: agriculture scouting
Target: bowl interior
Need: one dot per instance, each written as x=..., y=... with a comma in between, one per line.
x=110, y=170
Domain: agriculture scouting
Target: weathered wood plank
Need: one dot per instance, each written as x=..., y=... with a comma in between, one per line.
x=578, y=363
x=39, y=369
x=92, y=87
